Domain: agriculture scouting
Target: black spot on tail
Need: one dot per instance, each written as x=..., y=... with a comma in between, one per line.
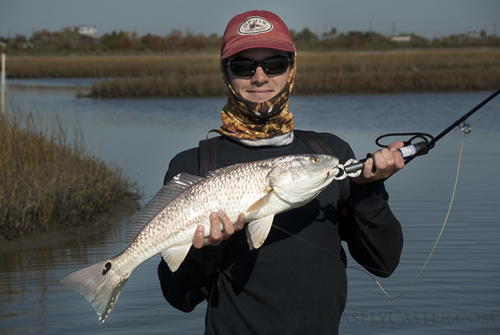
x=107, y=268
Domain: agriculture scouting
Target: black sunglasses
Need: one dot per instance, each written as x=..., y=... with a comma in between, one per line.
x=247, y=67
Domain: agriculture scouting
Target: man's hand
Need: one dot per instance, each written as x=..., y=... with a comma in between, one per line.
x=216, y=235
x=388, y=161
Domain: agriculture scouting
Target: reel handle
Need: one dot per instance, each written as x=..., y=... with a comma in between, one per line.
x=407, y=152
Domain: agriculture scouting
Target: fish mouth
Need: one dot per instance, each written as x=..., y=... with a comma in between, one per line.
x=333, y=171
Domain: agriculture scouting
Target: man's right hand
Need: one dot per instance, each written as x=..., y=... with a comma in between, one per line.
x=216, y=235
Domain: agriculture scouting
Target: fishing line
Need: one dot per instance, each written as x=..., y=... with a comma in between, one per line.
x=437, y=240
x=466, y=132
x=466, y=128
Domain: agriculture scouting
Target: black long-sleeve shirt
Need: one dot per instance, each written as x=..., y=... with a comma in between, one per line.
x=295, y=283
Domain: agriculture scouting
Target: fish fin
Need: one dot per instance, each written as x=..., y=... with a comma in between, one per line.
x=98, y=285
x=168, y=192
x=222, y=170
x=184, y=180
x=175, y=255
x=259, y=204
x=258, y=230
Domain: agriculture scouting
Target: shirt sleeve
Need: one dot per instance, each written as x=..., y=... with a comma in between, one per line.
x=185, y=288
x=372, y=232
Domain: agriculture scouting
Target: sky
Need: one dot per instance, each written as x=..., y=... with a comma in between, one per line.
x=428, y=18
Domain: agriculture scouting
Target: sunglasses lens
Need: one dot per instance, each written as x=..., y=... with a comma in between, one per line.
x=246, y=68
x=243, y=67
x=276, y=65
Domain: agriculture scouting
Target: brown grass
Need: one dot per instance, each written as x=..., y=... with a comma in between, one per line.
x=50, y=182
x=109, y=66
x=406, y=71
x=428, y=70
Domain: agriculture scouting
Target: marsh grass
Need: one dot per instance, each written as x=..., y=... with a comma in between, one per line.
x=48, y=181
x=189, y=75
x=333, y=73
x=406, y=71
x=110, y=66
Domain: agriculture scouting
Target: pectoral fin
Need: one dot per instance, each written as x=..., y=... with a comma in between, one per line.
x=258, y=230
x=174, y=256
x=261, y=203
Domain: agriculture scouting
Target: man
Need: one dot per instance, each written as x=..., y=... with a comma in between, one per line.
x=295, y=283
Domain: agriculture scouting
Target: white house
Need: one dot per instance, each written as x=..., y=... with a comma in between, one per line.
x=88, y=31
x=401, y=39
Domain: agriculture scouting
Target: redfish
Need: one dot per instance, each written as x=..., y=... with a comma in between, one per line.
x=167, y=223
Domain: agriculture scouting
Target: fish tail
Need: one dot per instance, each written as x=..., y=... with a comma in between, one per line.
x=99, y=285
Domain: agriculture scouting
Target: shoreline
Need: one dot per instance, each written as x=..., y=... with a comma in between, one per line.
x=38, y=238
x=453, y=69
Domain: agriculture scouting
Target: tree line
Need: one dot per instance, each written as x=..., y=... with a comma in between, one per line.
x=68, y=40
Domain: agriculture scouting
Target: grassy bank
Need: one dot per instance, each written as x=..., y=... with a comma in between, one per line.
x=109, y=66
x=331, y=73
x=425, y=70
x=49, y=182
x=411, y=71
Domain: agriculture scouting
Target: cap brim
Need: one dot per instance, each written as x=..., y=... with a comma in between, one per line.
x=258, y=43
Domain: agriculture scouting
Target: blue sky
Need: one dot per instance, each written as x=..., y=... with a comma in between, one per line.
x=429, y=18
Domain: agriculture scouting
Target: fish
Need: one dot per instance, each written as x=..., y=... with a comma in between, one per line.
x=167, y=223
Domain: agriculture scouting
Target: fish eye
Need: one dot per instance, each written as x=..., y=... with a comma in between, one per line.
x=314, y=159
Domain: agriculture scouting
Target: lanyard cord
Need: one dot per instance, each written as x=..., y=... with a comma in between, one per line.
x=429, y=141
x=465, y=126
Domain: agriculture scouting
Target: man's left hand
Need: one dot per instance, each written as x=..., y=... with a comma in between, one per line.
x=388, y=161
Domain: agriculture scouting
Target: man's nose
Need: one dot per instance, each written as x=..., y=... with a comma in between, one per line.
x=260, y=76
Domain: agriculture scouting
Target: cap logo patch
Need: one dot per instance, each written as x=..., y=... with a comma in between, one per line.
x=255, y=25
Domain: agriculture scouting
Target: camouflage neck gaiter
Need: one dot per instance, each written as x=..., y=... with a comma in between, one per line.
x=256, y=120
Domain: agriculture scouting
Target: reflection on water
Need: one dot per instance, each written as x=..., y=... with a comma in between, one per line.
x=31, y=277
x=457, y=292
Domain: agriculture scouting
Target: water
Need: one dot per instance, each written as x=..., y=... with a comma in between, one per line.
x=456, y=293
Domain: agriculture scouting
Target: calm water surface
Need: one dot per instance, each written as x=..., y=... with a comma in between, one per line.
x=457, y=292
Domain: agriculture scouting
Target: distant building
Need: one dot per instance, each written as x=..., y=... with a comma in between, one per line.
x=27, y=45
x=401, y=39
x=88, y=31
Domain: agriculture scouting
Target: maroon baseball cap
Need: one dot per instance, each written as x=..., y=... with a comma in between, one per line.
x=256, y=29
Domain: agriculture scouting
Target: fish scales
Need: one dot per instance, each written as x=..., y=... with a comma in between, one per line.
x=181, y=216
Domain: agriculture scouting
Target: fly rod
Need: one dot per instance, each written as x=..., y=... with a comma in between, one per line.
x=410, y=151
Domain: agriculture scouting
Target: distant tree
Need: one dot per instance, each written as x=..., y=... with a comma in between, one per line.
x=20, y=39
x=195, y=41
x=354, y=38
x=117, y=41
x=68, y=38
x=330, y=35
x=152, y=42
x=417, y=40
x=305, y=36
x=174, y=39
x=214, y=40
x=42, y=38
